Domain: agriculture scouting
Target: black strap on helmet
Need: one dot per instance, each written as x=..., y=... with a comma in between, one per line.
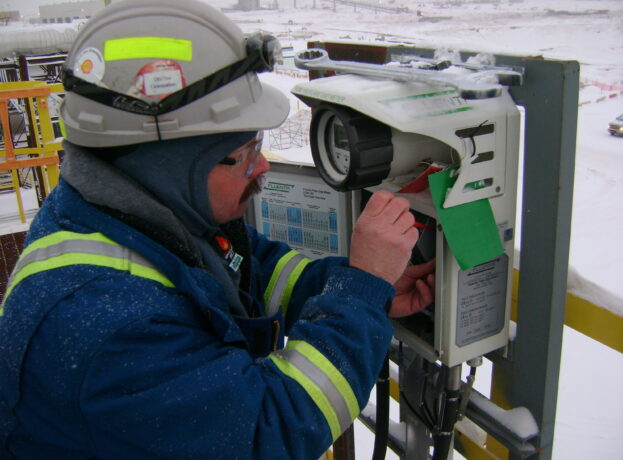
x=262, y=52
x=173, y=101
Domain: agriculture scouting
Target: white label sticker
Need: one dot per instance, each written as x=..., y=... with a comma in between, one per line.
x=89, y=65
x=159, y=78
x=162, y=82
x=481, y=303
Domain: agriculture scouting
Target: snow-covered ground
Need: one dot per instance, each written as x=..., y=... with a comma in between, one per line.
x=590, y=405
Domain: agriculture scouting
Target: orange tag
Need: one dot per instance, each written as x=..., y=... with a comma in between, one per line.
x=223, y=243
x=421, y=182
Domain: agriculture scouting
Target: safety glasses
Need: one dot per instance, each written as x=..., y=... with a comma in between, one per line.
x=242, y=161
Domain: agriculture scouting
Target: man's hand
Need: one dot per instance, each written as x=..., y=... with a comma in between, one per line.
x=414, y=290
x=383, y=237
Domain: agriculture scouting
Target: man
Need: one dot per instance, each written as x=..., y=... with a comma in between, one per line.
x=143, y=319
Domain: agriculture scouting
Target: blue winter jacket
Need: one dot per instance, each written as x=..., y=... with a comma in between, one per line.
x=118, y=362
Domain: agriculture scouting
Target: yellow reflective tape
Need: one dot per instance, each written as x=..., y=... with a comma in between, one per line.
x=275, y=276
x=292, y=279
x=58, y=262
x=314, y=393
x=58, y=237
x=148, y=47
x=150, y=273
x=65, y=260
x=331, y=371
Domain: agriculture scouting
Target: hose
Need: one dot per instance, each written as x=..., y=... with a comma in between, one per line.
x=382, y=413
x=443, y=439
x=448, y=413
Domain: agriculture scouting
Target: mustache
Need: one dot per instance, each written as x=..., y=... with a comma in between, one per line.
x=253, y=188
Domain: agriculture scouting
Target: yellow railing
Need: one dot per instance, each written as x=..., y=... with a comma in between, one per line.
x=44, y=153
x=591, y=320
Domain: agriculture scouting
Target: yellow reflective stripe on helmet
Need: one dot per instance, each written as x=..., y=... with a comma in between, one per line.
x=325, y=385
x=282, y=281
x=148, y=47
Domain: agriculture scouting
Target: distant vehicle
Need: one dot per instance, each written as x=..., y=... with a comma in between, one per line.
x=616, y=127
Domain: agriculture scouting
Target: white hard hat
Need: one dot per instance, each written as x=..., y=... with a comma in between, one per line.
x=145, y=70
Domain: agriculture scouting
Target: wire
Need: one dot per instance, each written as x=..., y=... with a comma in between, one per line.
x=475, y=133
x=382, y=413
x=428, y=423
x=157, y=127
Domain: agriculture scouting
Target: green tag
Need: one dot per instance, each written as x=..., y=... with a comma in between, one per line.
x=469, y=228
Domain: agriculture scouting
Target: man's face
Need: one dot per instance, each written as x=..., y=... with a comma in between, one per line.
x=229, y=191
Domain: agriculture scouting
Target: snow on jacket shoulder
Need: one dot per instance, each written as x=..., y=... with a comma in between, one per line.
x=99, y=360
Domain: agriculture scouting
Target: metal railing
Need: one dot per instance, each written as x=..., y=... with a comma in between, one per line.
x=42, y=148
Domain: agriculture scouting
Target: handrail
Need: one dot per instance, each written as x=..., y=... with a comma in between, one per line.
x=47, y=147
x=585, y=317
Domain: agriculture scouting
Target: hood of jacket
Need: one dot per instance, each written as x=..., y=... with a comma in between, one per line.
x=161, y=189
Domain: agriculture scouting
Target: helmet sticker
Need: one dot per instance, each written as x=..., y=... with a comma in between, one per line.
x=89, y=65
x=159, y=78
x=148, y=47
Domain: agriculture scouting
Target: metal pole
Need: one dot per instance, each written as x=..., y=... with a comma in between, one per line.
x=551, y=100
x=344, y=446
x=418, y=437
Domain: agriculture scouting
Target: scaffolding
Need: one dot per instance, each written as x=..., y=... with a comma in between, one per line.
x=37, y=154
x=294, y=133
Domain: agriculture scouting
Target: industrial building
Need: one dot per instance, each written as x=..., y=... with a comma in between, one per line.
x=67, y=12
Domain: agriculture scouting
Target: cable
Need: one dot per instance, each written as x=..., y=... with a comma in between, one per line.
x=475, y=133
x=442, y=440
x=157, y=127
x=382, y=413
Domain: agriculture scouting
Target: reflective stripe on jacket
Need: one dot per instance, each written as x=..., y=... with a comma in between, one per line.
x=322, y=381
x=282, y=281
x=63, y=248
